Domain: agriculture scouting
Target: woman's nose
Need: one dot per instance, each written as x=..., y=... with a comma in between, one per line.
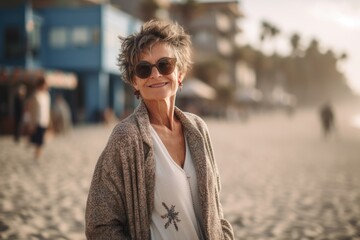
x=155, y=72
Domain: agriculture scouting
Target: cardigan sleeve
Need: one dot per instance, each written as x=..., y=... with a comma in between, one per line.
x=105, y=216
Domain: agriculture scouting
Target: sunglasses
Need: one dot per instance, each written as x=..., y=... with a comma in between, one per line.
x=164, y=65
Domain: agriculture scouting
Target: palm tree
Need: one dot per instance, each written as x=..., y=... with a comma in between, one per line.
x=295, y=44
x=265, y=31
x=313, y=49
x=268, y=31
x=343, y=56
x=274, y=32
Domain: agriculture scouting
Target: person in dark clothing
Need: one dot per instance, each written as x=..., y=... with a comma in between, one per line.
x=327, y=118
x=19, y=111
x=40, y=112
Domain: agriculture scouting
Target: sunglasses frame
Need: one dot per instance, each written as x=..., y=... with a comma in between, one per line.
x=171, y=61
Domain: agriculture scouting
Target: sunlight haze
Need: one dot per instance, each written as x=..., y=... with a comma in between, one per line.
x=334, y=23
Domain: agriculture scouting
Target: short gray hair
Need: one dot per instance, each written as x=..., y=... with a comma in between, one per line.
x=151, y=32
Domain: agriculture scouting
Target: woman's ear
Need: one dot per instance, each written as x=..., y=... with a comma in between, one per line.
x=181, y=77
x=135, y=85
x=136, y=90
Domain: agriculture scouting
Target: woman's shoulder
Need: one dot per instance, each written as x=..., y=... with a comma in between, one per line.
x=195, y=119
x=125, y=128
x=124, y=137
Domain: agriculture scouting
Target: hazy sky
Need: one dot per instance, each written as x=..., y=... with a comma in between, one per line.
x=335, y=23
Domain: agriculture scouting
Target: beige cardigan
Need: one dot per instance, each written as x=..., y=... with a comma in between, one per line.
x=121, y=195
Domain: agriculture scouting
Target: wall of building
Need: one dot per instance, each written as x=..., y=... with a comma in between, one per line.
x=12, y=36
x=85, y=41
x=71, y=38
x=115, y=24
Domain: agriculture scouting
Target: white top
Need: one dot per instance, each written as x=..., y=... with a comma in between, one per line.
x=43, y=108
x=176, y=213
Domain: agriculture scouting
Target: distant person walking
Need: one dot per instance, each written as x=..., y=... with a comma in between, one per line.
x=327, y=118
x=19, y=103
x=40, y=112
x=61, y=115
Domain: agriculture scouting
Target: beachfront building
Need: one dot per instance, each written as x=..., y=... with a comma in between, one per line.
x=214, y=27
x=76, y=44
x=216, y=34
x=144, y=9
x=85, y=41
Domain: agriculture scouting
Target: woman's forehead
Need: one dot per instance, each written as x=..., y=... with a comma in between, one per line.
x=156, y=49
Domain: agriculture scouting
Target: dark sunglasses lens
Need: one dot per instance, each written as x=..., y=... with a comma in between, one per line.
x=143, y=70
x=165, y=66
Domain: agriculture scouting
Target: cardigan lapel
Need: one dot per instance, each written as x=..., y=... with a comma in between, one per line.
x=142, y=117
x=198, y=154
x=143, y=121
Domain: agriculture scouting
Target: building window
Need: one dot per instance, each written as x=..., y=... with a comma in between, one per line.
x=223, y=23
x=224, y=46
x=95, y=35
x=58, y=37
x=13, y=43
x=81, y=36
x=202, y=37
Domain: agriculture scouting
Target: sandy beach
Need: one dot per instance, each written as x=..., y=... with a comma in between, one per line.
x=281, y=179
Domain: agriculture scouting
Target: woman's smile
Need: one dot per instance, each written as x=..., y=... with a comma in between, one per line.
x=158, y=85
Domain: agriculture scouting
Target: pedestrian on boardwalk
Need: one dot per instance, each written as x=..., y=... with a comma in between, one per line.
x=61, y=115
x=157, y=177
x=327, y=118
x=40, y=112
x=19, y=103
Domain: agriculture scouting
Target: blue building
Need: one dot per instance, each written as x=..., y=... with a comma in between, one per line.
x=83, y=41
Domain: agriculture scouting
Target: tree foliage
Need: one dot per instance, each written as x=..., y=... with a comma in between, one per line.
x=312, y=75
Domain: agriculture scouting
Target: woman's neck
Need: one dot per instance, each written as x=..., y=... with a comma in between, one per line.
x=161, y=112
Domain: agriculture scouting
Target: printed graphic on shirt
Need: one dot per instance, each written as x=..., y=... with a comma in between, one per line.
x=171, y=215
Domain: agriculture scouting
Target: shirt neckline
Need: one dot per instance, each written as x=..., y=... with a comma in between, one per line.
x=154, y=133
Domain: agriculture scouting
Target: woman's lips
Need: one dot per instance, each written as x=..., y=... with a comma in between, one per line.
x=158, y=85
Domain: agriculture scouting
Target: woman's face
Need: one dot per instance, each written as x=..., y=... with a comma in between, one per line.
x=158, y=86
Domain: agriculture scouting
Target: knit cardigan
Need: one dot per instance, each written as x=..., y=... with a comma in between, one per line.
x=121, y=195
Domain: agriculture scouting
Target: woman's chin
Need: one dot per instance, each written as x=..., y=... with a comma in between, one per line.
x=159, y=97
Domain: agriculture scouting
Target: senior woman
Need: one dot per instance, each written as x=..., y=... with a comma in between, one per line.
x=157, y=177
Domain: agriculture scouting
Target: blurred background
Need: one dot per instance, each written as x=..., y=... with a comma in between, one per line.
x=248, y=55
x=277, y=82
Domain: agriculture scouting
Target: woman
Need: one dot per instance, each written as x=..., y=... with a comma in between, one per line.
x=157, y=177
x=40, y=114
